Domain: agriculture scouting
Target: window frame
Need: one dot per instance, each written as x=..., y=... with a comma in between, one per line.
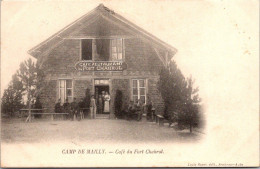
x=101, y=84
x=138, y=89
x=65, y=89
x=117, y=49
x=92, y=53
x=94, y=47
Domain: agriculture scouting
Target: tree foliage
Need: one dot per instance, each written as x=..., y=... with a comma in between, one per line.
x=190, y=108
x=118, y=104
x=28, y=82
x=87, y=98
x=180, y=97
x=31, y=77
x=12, y=97
x=171, y=86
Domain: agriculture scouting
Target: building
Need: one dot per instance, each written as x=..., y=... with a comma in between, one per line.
x=102, y=51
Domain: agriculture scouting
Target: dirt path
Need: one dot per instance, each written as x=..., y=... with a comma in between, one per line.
x=105, y=130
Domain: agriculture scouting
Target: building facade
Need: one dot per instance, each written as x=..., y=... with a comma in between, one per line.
x=102, y=51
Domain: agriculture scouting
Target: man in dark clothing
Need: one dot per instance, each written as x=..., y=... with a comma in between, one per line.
x=66, y=108
x=103, y=100
x=58, y=107
x=149, y=111
x=81, y=109
x=139, y=111
x=74, y=109
x=131, y=110
x=125, y=109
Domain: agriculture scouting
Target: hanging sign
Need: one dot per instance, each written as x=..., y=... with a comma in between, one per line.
x=100, y=66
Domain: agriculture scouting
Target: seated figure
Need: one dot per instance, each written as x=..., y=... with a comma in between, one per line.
x=131, y=110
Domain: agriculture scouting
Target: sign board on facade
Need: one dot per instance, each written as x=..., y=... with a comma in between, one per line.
x=100, y=66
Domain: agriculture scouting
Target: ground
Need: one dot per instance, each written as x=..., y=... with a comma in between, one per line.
x=87, y=130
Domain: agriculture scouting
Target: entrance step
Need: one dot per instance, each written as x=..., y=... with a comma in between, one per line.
x=102, y=116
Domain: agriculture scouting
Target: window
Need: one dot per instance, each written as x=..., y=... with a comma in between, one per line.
x=86, y=49
x=139, y=90
x=117, y=49
x=102, y=49
x=65, y=90
x=102, y=82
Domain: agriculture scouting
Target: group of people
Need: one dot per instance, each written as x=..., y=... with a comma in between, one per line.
x=138, y=109
x=75, y=110
x=101, y=104
x=103, y=101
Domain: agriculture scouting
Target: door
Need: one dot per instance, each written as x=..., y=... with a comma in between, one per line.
x=101, y=87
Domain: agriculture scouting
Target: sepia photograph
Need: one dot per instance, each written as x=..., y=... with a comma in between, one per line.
x=130, y=83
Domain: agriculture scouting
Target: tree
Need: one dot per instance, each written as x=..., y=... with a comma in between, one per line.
x=12, y=97
x=86, y=101
x=170, y=85
x=87, y=98
x=181, y=99
x=31, y=77
x=118, y=103
x=191, y=100
x=27, y=81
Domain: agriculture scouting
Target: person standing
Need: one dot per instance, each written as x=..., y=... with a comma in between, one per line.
x=81, y=108
x=103, y=100
x=66, y=108
x=100, y=104
x=153, y=110
x=149, y=111
x=130, y=110
x=93, y=107
x=106, y=103
x=74, y=109
x=139, y=109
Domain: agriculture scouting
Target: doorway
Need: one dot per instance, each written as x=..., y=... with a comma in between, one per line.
x=98, y=96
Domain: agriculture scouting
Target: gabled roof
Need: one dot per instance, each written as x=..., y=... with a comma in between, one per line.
x=104, y=15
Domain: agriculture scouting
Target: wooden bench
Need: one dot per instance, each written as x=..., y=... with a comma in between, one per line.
x=35, y=111
x=27, y=111
x=30, y=113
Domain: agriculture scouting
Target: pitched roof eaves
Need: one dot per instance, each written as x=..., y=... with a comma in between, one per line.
x=34, y=49
x=101, y=9
x=144, y=32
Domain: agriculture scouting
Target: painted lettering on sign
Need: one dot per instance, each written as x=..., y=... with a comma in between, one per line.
x=100, y=66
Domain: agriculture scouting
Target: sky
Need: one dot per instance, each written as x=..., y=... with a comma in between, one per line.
x=217, y=40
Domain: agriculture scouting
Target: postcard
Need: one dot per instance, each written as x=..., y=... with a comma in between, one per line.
x=130, y=83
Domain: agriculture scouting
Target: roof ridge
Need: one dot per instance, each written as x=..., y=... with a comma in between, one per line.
x=103, y=10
